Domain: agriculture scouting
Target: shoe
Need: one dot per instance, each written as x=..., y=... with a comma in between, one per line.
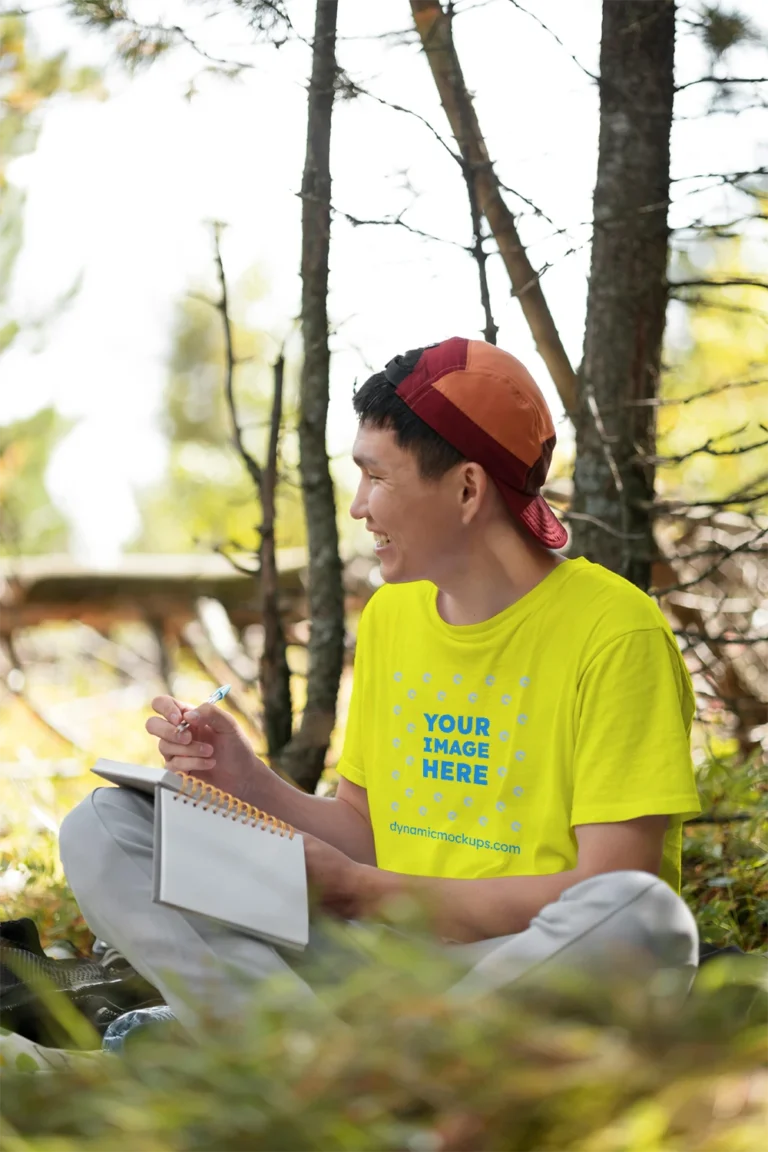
x=100, y=993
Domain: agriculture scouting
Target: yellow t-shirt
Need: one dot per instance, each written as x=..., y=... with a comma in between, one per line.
x=483, y=746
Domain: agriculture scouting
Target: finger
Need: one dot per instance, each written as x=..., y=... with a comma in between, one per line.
x=193, y=766
x=212, y=716
x=170, y=708
x=156, y=726
x=170, y=748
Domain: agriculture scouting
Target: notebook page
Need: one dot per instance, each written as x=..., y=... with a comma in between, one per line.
x=249, y=878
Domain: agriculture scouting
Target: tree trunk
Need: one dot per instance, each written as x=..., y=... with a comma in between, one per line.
x=626, y=305
x=304, y=757
x=274, y=673
x=434, y=28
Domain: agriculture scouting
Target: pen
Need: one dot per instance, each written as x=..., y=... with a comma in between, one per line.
x=214, y=698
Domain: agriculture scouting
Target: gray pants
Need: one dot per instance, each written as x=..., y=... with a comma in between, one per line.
x=107, y=846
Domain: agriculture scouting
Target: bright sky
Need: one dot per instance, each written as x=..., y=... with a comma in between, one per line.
x=119, y=192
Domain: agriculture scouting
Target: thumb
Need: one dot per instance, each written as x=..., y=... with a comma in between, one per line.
x=214, y=717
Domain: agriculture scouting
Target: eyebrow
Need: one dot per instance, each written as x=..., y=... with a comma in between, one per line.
x=364, y=461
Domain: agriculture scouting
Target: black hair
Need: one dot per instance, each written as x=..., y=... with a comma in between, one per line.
x=378, y=406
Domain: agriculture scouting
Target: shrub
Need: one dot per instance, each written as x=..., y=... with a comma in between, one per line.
x=384, y=1061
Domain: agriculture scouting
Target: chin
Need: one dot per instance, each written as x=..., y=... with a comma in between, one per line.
x=398, y=574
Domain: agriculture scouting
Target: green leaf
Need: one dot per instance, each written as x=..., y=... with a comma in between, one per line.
x=25, y=1063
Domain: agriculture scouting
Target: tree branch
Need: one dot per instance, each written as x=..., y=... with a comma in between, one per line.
x=724, y=80
x=398, y=222
x=586, y=516
x=721, y=177
x=731, y=282
x=434, y=28
x=707, y=449
x=358, y=91
x=700, y=637
x=223, y=308
x=658, y=402
x=670, y=506
x=745, y=546
x=723, y=306
x=556, y=38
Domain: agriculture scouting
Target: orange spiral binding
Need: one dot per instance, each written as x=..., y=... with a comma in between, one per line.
x=229, y=805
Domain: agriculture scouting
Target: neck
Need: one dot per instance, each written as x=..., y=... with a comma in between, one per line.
x=493, y=573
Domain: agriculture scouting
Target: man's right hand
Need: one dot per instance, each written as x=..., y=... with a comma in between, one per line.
x=214, y=748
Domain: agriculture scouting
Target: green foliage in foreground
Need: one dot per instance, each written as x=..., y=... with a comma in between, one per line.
x=725, y=865
x=386, y=1061
x=394, y=1064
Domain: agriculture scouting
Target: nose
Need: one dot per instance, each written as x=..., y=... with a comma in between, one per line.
x=358, y=509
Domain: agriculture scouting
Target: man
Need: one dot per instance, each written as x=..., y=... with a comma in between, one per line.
x=517, y=750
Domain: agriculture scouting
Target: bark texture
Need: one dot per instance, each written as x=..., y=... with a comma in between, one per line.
x=435, y=31
x=626, y=306
x=274, y=673
x=304, y=757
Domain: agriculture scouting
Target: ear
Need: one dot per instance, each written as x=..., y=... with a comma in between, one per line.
x=474, y=485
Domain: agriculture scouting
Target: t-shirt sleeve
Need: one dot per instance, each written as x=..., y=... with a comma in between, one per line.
x=634, y=710
x=352, y=762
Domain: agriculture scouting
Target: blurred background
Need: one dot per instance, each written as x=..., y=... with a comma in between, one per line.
x=159, y=199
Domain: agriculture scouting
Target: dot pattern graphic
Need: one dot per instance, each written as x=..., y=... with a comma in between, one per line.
x=503, y=736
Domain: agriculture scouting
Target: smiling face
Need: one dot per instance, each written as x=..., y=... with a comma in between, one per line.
x=419, y=525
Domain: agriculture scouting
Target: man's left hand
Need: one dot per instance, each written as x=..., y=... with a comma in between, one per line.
x=336, y=879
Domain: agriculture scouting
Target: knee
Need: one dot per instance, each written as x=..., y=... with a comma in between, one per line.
x=91, y=832
x=647, y=913
x=79, y=838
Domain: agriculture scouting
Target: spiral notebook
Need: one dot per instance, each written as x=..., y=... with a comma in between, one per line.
x=219, y=857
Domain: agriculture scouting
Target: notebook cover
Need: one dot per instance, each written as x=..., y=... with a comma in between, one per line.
x=139, y=776
x=250, y=878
